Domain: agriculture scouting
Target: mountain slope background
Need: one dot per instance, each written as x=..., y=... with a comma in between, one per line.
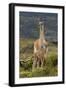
x=29, y=25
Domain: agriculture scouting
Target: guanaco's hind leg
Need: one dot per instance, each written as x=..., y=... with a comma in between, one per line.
x=42, y=62
x=38, y=62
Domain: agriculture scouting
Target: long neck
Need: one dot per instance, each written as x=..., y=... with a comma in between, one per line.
x=42, y=36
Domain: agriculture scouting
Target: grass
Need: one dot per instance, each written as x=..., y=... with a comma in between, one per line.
x=26, y=55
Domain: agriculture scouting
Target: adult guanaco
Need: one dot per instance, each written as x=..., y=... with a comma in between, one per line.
x=40, y=48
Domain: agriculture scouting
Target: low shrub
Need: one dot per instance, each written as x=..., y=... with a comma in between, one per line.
x=50, y=67
x=52, y=60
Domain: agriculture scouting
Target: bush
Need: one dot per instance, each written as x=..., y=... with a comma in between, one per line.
x=27, y=64
x=52, y=60
x=49, y=69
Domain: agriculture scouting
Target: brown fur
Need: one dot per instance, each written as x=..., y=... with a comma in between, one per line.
x=40, y=53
